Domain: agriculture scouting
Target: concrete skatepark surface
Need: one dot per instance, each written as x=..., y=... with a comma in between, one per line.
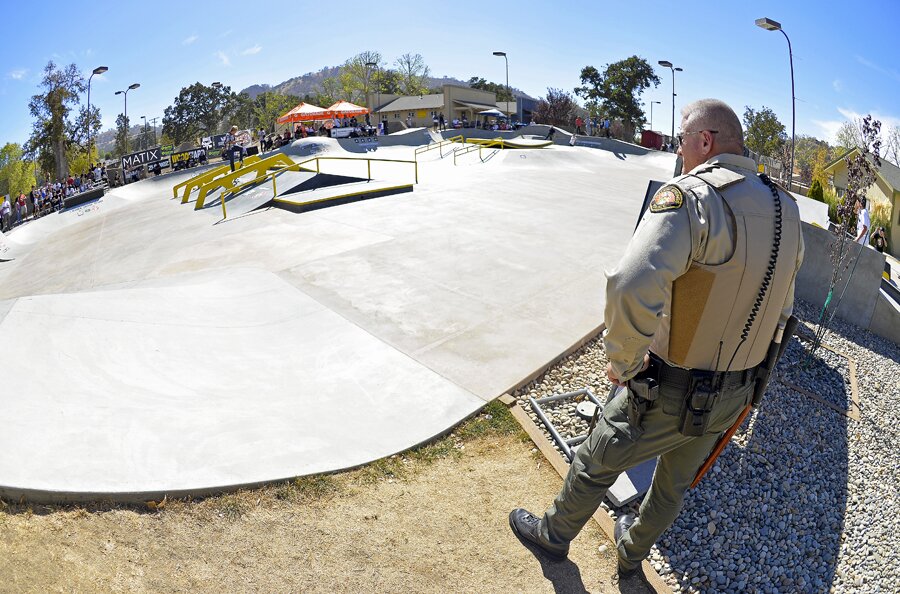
x=163, y=350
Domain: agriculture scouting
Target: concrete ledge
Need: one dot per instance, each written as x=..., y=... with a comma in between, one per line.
x=79, y=199
x=860, y=290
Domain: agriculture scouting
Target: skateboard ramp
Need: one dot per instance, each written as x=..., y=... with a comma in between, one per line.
x=8, y=249
x=202, y=382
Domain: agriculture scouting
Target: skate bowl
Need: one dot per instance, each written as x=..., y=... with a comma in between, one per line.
x=189, y=357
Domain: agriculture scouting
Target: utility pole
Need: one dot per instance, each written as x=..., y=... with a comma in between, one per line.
x=153, y=121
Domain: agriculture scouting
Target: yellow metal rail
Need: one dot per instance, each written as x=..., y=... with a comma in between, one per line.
x=476, y=144
x=206, y=177
x=438, y=145
x=259, y=167
x=234, y=189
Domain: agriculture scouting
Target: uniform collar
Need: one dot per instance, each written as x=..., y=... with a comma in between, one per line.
x=739, y=161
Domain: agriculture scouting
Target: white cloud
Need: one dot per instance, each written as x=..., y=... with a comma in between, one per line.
x=878, y=68
x=252, y=50
x=226, y=61
x=830, y=127
x=838, y=85
x=18, y=74
x=189, y=40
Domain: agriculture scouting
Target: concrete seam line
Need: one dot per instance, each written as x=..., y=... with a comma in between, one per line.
x=556, y=460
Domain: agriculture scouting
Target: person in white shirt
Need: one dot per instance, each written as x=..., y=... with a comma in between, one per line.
x=862, y=222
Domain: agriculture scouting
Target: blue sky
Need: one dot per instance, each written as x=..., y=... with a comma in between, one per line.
x=844, y=53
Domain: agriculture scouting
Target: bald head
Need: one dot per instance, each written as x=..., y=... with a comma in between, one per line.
x=712, y=114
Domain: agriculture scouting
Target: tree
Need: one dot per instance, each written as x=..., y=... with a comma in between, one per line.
x=268, y=107
x=198, y=110
x=861, y=169
x=816, y=192
x=763, y=133
x=388, y=82
x=16, y=173
x=239, y=111
x=618, y=90
x=805, y=154
x=892, y=145
x=52, y=130
x=413, y=74
x=557, y=109
x=357, y=78
x=819, y=165
x=849, y=135
x=121, y=135
x=499, y=90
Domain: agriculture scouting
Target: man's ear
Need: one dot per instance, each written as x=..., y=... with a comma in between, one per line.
x=708, y=139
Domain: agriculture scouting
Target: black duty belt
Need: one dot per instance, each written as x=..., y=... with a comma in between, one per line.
x=678, y=377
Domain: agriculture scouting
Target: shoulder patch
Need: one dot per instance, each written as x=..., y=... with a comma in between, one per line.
x=667, y=198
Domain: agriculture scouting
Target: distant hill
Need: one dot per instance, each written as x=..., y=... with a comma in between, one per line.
x=311, y=82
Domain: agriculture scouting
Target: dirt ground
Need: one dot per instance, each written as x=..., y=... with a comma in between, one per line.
x=431, y=520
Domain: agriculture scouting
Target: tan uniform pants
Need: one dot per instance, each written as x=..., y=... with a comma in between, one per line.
x=615, y=446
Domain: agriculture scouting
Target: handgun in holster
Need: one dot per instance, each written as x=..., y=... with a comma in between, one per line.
x=643, y=390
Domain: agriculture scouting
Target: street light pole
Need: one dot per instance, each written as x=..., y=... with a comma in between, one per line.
x=144, y=134
x=651, y=113
x=667, y=64
x=508, y=94
x=770, y=25
x=97, y=70
x=371, y=65
x=125, y=92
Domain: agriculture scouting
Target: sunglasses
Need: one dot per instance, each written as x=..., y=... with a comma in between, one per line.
x=680, y=136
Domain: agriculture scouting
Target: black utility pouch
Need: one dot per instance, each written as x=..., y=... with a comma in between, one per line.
x=699, y=403
x=642, y=392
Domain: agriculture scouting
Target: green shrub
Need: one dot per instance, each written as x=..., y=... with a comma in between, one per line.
x=816, y=192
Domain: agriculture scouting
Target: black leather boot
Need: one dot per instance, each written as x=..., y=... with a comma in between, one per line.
x=525, y=525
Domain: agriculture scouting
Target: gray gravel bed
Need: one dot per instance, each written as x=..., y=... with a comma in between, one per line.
x=804, y=499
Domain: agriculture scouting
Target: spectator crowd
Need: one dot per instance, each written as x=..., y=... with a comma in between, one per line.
x=47, y=198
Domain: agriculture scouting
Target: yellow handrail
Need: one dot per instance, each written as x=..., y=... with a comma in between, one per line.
x=258, y=167
x=297, y=167
x=424, y=149
x=206, y=176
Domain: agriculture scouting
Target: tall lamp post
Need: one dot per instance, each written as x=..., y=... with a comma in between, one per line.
x=97, y=70
x=375, y=66
x=144, y=134
x=667, y=64
x=651, y=113
x=770, y=25
x=125, y=92
x=508, y=94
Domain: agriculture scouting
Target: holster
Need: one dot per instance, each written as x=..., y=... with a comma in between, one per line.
x=643, y=390
x=697, y=408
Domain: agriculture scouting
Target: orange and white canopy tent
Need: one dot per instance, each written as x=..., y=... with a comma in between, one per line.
x=304, y=113
x=346, y=109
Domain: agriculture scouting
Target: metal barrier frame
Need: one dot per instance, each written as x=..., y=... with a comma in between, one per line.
x=564, y=444
x=259, y=167
x=437, y=145
x=205, y=177
x=261, y=175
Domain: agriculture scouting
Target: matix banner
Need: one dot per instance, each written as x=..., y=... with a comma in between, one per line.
x=142, y=158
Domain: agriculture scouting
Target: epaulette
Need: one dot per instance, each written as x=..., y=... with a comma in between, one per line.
x=718, y=177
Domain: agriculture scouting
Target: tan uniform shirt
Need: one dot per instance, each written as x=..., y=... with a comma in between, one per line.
x=694, y=268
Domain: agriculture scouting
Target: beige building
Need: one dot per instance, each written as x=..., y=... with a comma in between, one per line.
x=885, y=189
x=418, y=110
